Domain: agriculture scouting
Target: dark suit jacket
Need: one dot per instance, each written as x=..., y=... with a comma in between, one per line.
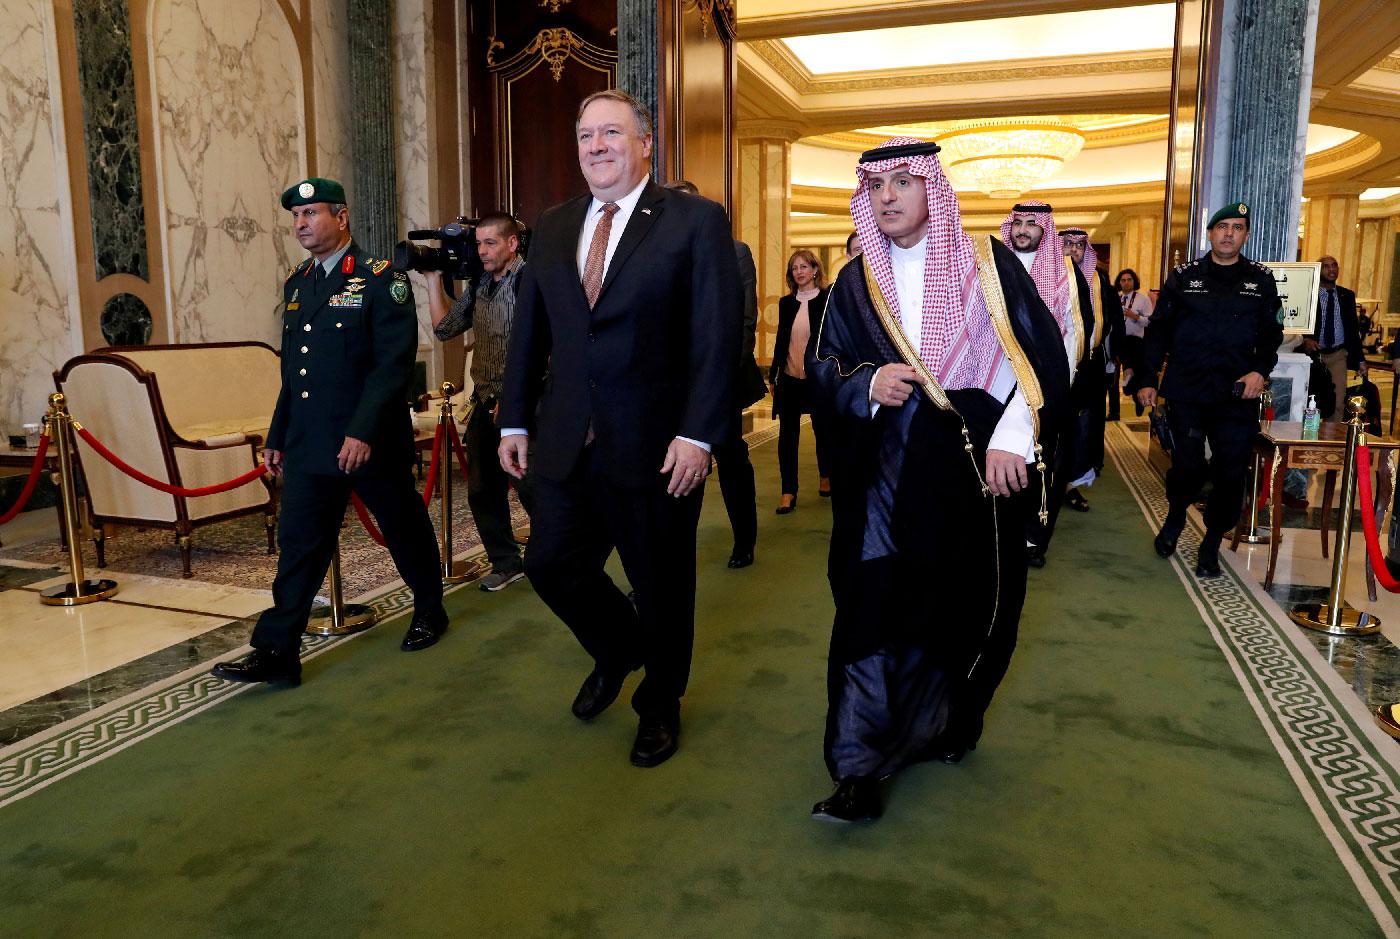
x=347, y=363
x=751, y=385
x=787, y=312
x=1351, y=332
x=1113, y=325
x=654, y=359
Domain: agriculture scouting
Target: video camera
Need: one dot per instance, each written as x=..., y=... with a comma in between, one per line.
x=457, y=257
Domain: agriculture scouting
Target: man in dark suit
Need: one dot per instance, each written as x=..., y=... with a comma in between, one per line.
x=341, y=425
x=736, y=480
x=626, y=310
x=1336, y=342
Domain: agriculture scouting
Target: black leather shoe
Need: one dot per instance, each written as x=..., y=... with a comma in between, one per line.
x=657, y=741
x=275, y=668
x=856, y=799
x=953, y=754
x=784, y=506
x=738, y=559
x=1075, y=500
x=423, y=632
x=1208, y=558
x=598, y=690
x=1165, y=542
x=1035, y=556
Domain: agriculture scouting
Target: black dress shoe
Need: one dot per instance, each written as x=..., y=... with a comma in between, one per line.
x=275, y=668
x=423, y=632
x=1075, y=500
x=784, y=506
x=1165, y=542
x=953, y=754
x=1035, y=556
x=1208, y=559
x=739, y=558
x=657, y=741
x=598, y=690
x=856, y=799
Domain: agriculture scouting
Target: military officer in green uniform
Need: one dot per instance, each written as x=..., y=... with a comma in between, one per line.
x=1218, y=324
x=341, y=425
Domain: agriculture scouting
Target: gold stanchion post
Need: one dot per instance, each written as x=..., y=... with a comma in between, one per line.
x=1255, y=535
x=1336, y=617
x=453, y=572
x=340, y=618
x=79, y=589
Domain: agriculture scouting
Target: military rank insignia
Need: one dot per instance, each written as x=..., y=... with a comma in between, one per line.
x=378, y=267
x=347, y=266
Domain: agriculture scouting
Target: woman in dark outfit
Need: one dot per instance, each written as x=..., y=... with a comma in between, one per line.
x=791, y=399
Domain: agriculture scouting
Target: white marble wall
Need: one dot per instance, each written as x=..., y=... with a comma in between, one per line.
x=37, y=292
x=331, y=48
x=413, y=93
x=227, y=90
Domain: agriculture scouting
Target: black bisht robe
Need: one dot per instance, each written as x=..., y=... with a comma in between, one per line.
x=927, y=570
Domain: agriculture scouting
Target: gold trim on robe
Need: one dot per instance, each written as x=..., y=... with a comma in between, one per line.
x=1077, y=312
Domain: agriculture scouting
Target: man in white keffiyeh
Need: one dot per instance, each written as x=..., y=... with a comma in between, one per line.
x=940, y=363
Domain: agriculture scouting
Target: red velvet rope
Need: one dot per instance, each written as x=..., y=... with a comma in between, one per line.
x=367, y=521
x=28, y=483
x=461, y=450
x=1368, y=521
x=154, y=483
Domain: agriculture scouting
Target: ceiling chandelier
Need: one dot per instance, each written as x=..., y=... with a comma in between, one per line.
x=1004, y=158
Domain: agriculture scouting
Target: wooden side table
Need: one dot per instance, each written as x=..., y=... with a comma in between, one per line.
x=1281, y=445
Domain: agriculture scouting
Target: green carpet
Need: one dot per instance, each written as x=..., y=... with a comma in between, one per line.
x=1124, y=786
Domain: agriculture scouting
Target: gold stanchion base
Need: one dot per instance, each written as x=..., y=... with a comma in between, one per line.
x=1352, y=622
x=356, y=617
x=1262, y=537
x=1388, y=719
x=463, y=571
x=70, y=594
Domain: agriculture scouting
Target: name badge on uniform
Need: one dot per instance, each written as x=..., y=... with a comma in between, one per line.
x=294, y=306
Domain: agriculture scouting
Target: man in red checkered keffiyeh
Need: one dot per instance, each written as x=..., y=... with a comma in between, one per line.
x=1030, y=231
x=941, y=363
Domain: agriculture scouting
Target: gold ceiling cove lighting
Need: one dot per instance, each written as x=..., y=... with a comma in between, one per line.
x=1003, y=159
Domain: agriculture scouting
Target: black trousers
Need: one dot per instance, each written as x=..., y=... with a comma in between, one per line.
x=737, y=486
x=575, y=525
x=1115, y=394
x=488, y=489
x=1229, y=428
x=793, y=399
x=313, y=509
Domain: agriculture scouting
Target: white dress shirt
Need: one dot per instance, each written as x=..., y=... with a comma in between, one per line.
x=1014, y=431
x=625, y=206
x=1071, y=327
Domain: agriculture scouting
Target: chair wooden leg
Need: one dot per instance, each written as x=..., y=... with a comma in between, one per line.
x=270, y=520
x=186, y=544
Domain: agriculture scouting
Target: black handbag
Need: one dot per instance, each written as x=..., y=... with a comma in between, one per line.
x=1159, y=428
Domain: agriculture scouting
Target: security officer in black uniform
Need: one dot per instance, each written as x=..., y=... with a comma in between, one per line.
x=341, y=425
x=1219, y=322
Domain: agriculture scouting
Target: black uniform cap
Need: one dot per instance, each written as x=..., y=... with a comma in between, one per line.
x=902, y=150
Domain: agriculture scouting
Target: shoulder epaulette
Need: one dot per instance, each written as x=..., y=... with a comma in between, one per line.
x=297, y=269
x=378, y=267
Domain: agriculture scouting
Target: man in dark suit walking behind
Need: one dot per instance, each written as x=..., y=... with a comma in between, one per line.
x=621, y=365
x=1336, y=342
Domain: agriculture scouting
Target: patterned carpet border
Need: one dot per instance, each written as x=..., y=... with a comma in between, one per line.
x=1345, y=769
x=43, y=759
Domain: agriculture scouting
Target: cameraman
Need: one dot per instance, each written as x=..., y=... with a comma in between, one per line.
x=488, y=306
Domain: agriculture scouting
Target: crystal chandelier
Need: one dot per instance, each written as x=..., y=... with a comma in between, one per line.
x=1003, y=159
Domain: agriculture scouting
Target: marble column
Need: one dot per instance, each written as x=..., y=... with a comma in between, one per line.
x=373, y=138
x=1372, y=277
x=1330, y=227
x=637, y=32
x=1251, y=125
x=1142, y=247
x=761, y=215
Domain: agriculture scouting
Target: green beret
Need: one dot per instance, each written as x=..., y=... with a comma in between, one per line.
x=312, y=190
x=1233, y=210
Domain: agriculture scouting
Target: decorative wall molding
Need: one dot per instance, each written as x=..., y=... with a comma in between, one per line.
x=553, y=47
x=713, y=12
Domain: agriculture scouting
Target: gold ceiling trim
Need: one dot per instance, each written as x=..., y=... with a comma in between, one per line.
x=782, y=60
x=1390, y=63
x=855, y=141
